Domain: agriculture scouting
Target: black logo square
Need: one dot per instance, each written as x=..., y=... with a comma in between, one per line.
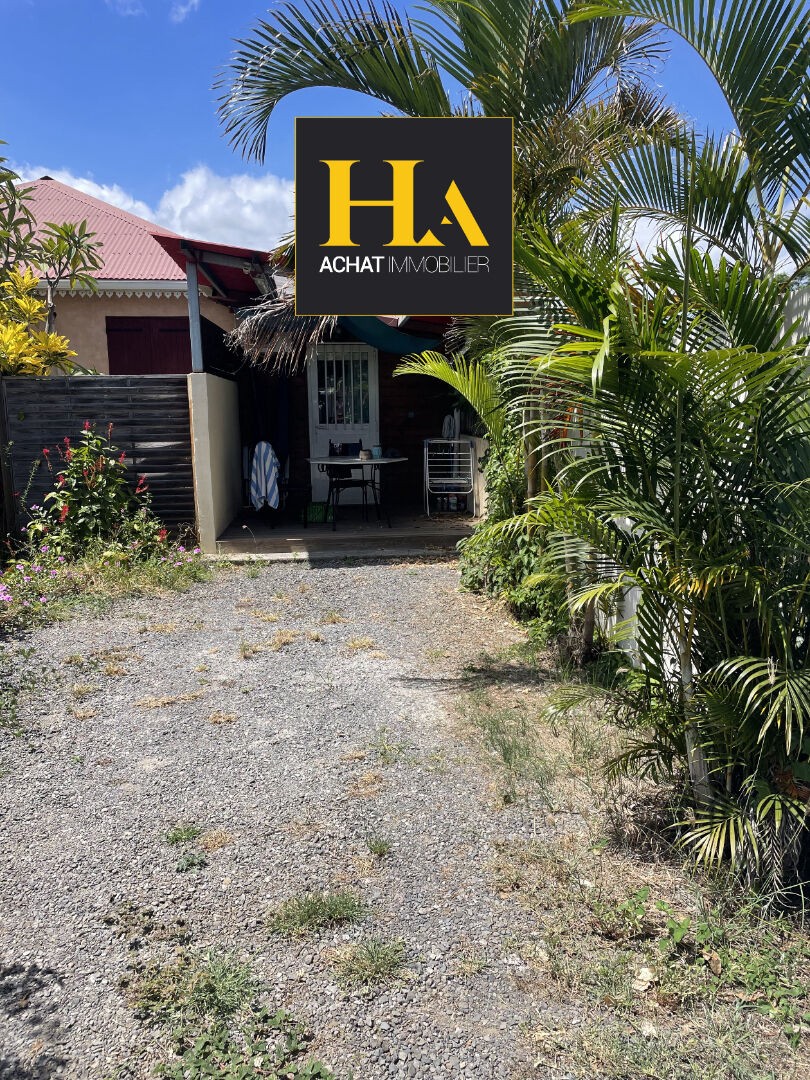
x=403, y=216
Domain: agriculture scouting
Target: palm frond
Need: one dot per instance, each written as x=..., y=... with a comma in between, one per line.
x=367, y=47
x=759, y=52
x=471, y=379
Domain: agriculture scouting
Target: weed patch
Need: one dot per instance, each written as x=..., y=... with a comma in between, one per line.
x=193, y=987
x=215, y=839
x=386, y=748
x=268, y=1045
x=162, y=702
x=332, y=618
x=522, y=769
x=378, y=846
x=359, y=643
x=222, y=718
x=316, y=911
x=372, y=961
x=278, y=641
x=183, y=834
x=367, y=786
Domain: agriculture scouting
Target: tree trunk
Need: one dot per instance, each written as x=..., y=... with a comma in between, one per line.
x=50, y=319
x=533, y=455
x=696, y=760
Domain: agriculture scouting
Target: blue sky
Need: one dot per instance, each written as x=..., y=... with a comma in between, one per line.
x=116, y=95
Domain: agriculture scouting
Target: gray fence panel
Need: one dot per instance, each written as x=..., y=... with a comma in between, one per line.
x=151, y=423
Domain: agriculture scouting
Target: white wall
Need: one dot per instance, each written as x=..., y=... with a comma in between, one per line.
x=798, y=307
x=217, y=455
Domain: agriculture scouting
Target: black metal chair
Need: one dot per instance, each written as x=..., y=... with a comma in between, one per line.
x=342, y=478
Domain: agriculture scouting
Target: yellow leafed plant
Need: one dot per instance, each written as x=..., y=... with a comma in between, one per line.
x=26, y=348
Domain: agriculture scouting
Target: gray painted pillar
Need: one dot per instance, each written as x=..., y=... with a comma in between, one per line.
x=194, y=325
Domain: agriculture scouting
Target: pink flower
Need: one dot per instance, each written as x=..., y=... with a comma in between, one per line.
x=198, y=551
x=180, y=547
x=43, y=599
x=44, y=549
x=60, y=558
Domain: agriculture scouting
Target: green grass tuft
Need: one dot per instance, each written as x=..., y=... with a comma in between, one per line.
x=315, y=911
x=183, y=834
x=371, y=961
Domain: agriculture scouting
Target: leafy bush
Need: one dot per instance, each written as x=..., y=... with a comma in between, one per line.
x=92, y=505
x=497, y=565
x=504, y=469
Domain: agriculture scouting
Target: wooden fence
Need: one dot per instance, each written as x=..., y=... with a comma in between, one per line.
x=150, y=418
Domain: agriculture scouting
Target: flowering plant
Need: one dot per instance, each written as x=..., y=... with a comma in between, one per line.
x=43, y=582
x=92, y=504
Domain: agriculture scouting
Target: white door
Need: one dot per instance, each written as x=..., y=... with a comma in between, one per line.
x=344, y=404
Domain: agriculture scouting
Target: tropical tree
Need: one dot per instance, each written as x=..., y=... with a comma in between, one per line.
x=55, y=252
x=25, y=347
x=575, y=89
x=743, y=193
x=685, y=482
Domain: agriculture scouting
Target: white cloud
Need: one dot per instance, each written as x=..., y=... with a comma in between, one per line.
x=245, y=211
x=181, y=10
x=127, y=7
x=111, y=193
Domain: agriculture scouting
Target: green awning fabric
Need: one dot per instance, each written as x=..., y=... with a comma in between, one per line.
x=384, y=337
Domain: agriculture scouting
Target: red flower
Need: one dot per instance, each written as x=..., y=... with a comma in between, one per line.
x=87, y=425
x=141, y=485
x=64, y=512
x=122, y=457
x=45, y=451
x=68, y=454
x=60, y=479
x=67, y=441
x=162, y=534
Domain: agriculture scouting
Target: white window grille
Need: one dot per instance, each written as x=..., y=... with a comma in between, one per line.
x=343, y=386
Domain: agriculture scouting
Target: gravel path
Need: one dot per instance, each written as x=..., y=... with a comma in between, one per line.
x=157, y=714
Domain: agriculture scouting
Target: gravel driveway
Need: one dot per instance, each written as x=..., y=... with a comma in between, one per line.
x=292, y=712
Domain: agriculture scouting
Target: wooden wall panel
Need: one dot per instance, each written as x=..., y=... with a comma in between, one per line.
x=150, y=418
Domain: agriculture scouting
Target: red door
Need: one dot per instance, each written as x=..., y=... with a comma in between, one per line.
x=148, y=345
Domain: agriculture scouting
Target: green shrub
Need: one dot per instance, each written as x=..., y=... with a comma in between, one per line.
x=499, y=565
x=92, y=506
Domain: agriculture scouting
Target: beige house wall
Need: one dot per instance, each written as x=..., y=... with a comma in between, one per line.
x=82, y=320
x=216, y=455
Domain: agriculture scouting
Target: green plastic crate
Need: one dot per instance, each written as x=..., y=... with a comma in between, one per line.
x=317, y=513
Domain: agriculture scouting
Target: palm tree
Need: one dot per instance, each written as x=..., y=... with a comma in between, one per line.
x=685, y=478
x=745, y=193
x=575, y=90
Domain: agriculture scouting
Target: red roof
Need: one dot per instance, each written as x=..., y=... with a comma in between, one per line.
x=129, y=250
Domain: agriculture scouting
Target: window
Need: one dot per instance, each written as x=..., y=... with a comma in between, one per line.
x=343, y=392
